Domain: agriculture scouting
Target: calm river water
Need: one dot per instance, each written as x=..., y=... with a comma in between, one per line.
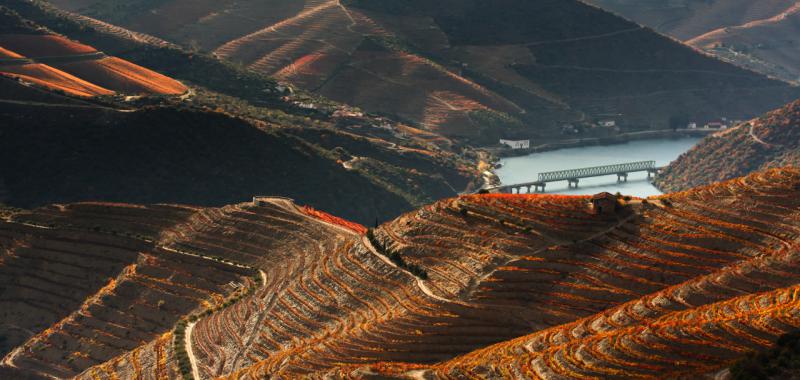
x=527, y=168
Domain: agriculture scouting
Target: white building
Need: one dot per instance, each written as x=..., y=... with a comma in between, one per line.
x=692, y=125
x=517, y=144
x=716, y=125
x=607, y=123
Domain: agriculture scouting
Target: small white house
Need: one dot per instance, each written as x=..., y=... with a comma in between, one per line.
x=692, y=125
x=517, y=144
x=607, y=123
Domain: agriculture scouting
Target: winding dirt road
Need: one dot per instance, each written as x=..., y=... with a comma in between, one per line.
x=187, y=342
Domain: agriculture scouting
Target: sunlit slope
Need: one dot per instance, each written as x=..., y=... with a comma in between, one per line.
x=536, y=283
x=48, y=77
x=58, y=63
x=772, y=140
x=699, y=325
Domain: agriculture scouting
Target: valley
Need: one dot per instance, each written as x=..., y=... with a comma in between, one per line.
x=333, y=189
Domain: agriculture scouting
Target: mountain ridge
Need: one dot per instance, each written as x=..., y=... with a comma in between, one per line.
x=418, y=62
x=755, y=34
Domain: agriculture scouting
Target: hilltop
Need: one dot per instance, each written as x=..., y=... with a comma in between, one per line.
x=770, y=141
x=462, y=69
x=481, y=285
x=233, y=134
x=760, y=35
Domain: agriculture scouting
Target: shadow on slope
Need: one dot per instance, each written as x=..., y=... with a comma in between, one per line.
x=165, y=155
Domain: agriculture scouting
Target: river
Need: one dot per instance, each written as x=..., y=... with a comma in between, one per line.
x=663, y=151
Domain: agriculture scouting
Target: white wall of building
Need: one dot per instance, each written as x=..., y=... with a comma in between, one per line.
x=517, y=144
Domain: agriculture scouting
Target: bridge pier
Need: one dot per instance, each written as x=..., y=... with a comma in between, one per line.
x=652, y=173
x=622, y=177
x=538, y=185
x=573, y=182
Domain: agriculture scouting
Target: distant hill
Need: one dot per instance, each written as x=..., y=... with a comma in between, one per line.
x=167, y=154
x=772, y=140
x=761, y=35
x=479, y=286
x=463, y=69
x=34, y=55
x=235, y=134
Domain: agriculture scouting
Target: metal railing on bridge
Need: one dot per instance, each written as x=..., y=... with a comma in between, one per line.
x=564, y=175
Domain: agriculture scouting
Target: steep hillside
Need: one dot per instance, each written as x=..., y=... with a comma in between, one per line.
x=695, y=326
x=760, y=35
x=463, y=69
x=770, y=141
x=36, y=56
x=167, y=154
x=538, y=284
x=768, y=45
x=379, y=168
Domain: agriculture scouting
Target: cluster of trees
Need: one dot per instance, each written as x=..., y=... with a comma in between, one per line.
x=229, y=302
x=783, y=361
x=396, y=258
x=181, y=355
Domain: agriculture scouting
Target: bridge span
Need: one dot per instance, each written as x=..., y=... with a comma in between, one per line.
x=573, y=176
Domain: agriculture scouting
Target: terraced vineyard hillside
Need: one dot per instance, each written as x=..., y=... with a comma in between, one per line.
x=517, y=284
x=462, y=68
x=760, y=35
x=770, y=141
x=52, y=61
x=86, y=283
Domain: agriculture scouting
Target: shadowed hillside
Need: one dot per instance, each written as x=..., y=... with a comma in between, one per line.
x=467, y=69
x=761, y=35
x=537, y=284
x=770, y=141
x=197, y=145
x=164, y=154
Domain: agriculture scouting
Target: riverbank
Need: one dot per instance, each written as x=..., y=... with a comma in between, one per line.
x=621, y=138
